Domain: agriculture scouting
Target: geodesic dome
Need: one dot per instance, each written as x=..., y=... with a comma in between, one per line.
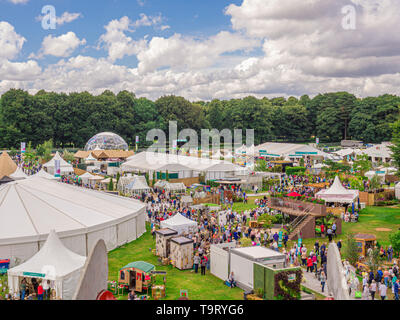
x=106, y=141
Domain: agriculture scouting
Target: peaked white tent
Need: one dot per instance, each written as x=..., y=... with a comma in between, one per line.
x=338, y=193
x=65, y=167
x=86, y=177
x=30, y=208
x=53, y=262
x=180, y=224
x=43, y=174
x=138, y=185
x=90, y=158
x=172, y=187
x=19, y=174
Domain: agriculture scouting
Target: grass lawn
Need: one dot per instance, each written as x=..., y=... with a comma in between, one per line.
x=240, y=206
x=199, y=287
x=370, y=219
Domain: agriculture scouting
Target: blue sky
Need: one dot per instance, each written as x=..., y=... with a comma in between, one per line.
x=190, y=17
x=202, y=49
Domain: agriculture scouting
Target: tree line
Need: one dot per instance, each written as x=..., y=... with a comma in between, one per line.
x=71, y=119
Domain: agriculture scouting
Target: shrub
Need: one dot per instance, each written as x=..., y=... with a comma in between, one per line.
x=295, y=170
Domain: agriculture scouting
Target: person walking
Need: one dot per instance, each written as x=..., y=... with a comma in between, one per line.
x=390, y=254
x=46, y=289
x=383, y=290
x=203, y=265
x=396, y=290
x=22, y=289
x=372, y=289
x=309, y=264
x=196, y=262
x=322, y=278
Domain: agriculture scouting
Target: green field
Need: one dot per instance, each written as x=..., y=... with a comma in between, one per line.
x=199, y=287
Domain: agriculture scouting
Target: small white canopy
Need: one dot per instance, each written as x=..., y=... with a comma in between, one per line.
x=53, y=262
x=86, y=177
x=338, y=193
x=217, y=155
x=19, y=174
x=43, y=174
x=180, y=224
x=96, y=178
x=90, y=158
x=65, y=167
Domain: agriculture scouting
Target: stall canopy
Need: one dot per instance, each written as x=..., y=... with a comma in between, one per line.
x=7, y=165
x=52, y=262
x=180, y=224
x=86, y=177
x=65, y=167
x=19, y=174
x=338, y=193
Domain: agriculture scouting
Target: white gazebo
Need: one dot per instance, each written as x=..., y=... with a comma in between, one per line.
x=86, y=177
x=180, y=224
x=137, y=186
x=337, y=193
x=19, y=174
x=397, y=190
x=52, y=262
x=65, y=167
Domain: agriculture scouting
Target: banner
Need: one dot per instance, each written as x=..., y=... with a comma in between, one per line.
x=280, y=239
x=57, y=170
x=23, y=146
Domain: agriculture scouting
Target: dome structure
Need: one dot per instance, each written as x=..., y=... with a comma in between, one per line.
x=106, y=141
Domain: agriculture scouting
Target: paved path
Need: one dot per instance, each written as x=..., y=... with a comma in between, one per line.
x=312, y=283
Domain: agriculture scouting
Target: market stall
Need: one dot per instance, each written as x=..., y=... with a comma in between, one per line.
x=65, y=167
x=337, y=193
x=136, y=275
x=180, y=223
x=52, y=262
x=163, y=237
x=182, y=253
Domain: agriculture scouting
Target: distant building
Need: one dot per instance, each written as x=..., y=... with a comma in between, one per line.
x=351, y=144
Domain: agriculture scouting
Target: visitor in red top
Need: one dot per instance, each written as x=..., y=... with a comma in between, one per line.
x=40, y=291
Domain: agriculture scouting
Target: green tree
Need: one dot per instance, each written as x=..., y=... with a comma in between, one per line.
x=373, y=260
x=395, y=147
x=362, y=164
x=110, y=185
x=351, y=249
x=395, y=241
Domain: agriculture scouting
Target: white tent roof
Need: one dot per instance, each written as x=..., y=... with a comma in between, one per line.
x=275, y=149
x=64, y=165
x=138, y=183
x=86, y=175
x=345, y=152
x=379, y=151
x=177, y=221
x=152, y=161
x=53, y=259
x=90, y=158
x=338, y=193
x=18, y=174
x=30, y=208
x=43, y=174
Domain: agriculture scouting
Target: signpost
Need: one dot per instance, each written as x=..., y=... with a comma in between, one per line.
x=137, y=142
x=23, y=147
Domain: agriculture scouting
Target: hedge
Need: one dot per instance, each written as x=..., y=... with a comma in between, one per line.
x=295, y=170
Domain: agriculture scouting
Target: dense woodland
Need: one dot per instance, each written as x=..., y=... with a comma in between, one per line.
x=71, y=119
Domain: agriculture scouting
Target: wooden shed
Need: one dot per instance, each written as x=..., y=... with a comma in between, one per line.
x=364, y=242
x=163, y=237
x=136, y=275
x=182, y=253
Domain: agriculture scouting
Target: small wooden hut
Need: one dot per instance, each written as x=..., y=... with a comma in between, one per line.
x=163, y=237
x=364, y=242
x=136, y=275
x=182, y=252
